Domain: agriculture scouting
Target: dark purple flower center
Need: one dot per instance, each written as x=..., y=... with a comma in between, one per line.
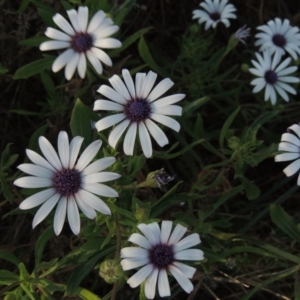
x=67, y=182
x=137, y=110
x=215, y=16
x=82, y=42
x=161, y=255
x=279, y=40
x=271, y=77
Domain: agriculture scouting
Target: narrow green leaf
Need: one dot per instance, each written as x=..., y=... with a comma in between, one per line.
x=34, y=41
x=284, y=222
x=226, y=126
x=41, y=242
x=34, y=68
x=9, y=257
x=24, y=275
x=8, y=274
x=86, y=294
x=252, y=190
x=24, y=112
x=6, y=190
x=194, y=105
x=3, y=70
x=81, y=122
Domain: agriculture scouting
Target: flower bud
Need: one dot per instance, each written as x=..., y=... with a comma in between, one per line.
x=111, y=270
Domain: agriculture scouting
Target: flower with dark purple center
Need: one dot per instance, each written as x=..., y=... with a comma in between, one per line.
x=137, y=110
x=67, y=182
x=279, y=40
x=161, y=255
x=271, y=77
x=82, y=42
x=215, y=16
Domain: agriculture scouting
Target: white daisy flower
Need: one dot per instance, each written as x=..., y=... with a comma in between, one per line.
x=138, y=106
x=273, y=76
x=215, y=11
x=290, y=145
x=279, y=36
x=82, y=40
x=71, y=185
x=160, y=253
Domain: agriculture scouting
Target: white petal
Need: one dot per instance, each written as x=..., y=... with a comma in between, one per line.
x=129, y=140
x=111, y=94
x=140, y=276
x=45, y=209
x=171, y=110
x=140, y=240
x=119, y=86
x=99, y=165
x=148, y=84
x=148, y=234
x=71, y=66
x=81, y=66
x=88, y=154
x=73, y=16
x=132, y=263
x=96, y=21
x=163, y=284
x=101, y=190
x=292, y=168
x=145, y=140
x=177, y=234
x=85, y=208
x=36, y=170
x=288, y=147
x=109, y=121
x=83, y=13
x=60, y=215
x=139, y=84
x=150, y=285
x=167, y=121
x=63, y=24
x=189, y=254
x=291, y=138
x=107, y=105
x=39, y=160
x=166, y=228
x=62, y=60
x=57, y=35
x=169, y=100
x=49, y=152
x=54, y=45
x=94, y=61
x=33, y=182
x=105, y=31
x=93, y=201
x=73, y=215
x=296, y=129
x=187, y=242
x=74, y=149
x=185, y=269
x=286, y=156
x=108, y=43
x=129, y=82
x=37, y=199
x=100, y=54
x=160, y=89
x=63, y=148
x=101, y=177
x=157, y=133
x=117, y=132
x=134, y=252
x=184, y=282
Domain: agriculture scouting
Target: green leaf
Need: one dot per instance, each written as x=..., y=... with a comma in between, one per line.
x=297, y=287
x=191, y=107
x=86, y=294
x=8, y=274
x=81, y=271
x=130, y=40
x=147, y=57
x=34, y=68
x=33, y=142
x=6, y=158
x=226, y=126
x=251, y=189
x=22, y=7
x=34, y=41
x=6, y=190
x=24, y=112
x=81, y=122
x=3, y=70
x=9, y=257
x=24, y=275
x=284, y=222
x=41, y=242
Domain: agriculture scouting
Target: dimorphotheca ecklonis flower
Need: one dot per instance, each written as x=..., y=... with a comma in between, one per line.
x=82, y=40
x=273, y=76
x=137, y=108
x=215, y=11
x=69, y=184
x=159, y=253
